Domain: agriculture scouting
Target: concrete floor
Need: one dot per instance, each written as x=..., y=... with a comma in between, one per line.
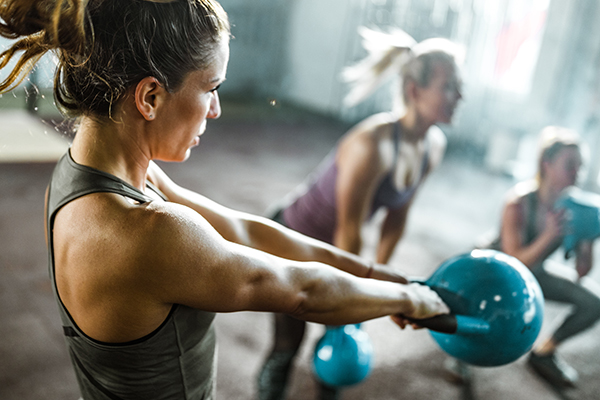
x=247, y=160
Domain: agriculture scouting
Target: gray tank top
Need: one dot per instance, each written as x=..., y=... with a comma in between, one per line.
x=530, y=231
x=176, y=361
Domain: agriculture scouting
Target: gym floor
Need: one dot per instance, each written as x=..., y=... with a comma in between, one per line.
x=247, y=160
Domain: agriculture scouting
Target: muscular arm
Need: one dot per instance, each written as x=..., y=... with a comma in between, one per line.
x=394, y=224
x=261, y=233
x=391, y=232
x=191, y=264
x=360, y=169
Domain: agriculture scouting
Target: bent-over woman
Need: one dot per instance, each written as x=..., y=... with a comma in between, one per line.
x=378, y=165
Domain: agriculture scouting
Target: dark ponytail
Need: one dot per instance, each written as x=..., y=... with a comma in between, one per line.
x=42, y=26
x=105, y=47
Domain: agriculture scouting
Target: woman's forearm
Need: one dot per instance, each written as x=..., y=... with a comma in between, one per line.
x=535, y=252
x=390, y=236
x=276, y=239
x=584, y=260
x=333, y=297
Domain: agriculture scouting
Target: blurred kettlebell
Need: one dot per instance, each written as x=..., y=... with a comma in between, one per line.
x=343, y=355
x=582, y=215
x=497, y=308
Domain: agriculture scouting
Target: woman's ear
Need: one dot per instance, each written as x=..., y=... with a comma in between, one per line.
x=411, y=91
x=544, y=166
x=148, y=97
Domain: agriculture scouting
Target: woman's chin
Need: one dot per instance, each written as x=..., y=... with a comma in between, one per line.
x=186, y=155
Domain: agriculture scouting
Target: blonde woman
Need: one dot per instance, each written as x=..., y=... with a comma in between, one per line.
x=378, y=164
x=140, y=265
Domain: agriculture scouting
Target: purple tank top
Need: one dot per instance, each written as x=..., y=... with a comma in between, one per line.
x=314, y=211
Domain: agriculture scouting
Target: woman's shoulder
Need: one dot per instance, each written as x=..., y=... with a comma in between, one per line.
x=119, y=222
x=437, y=143
x=436, y=137
x=369, y=132
x=370, y=142
x=105, y=229
x=375, y=125
x=521, y=191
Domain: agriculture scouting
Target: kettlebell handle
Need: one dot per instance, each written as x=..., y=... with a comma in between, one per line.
x=445, y=323
x=450, y=323
x=453, y=324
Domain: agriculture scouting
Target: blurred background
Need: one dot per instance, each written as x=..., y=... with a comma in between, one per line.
x=528, y=64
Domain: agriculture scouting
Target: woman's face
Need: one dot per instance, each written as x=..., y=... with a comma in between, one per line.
x=561, y=172
x=186, y=111
x=436, y=102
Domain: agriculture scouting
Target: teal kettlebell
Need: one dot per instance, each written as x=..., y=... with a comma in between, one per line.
x=343, y=355
x=496, y=304
x=582, y=213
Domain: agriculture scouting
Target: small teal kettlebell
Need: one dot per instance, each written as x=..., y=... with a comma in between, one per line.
x=343, y=355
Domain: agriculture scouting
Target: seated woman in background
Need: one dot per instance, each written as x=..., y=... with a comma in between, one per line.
x=532, y=229
x=379, y=164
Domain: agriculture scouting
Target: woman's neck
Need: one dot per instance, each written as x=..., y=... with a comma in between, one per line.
x=413, y=126
x=110, y=147
x=547, y=195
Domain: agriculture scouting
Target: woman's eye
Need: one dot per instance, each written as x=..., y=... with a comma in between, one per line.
x=215, y=89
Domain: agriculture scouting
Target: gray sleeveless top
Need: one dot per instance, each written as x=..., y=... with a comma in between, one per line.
x=176, y=361
x=530, y=231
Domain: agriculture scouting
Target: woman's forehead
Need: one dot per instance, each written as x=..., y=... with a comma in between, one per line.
x=569, y=153
x=444, y=71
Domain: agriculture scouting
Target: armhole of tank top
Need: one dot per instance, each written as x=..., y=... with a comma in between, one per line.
x=425, y=163
x=396, y=136
x=75, y=327
x=529, y=211
x=391, y=174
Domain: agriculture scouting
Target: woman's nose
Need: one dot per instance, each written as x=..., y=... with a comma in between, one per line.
x=215, y=107
x=458, y=93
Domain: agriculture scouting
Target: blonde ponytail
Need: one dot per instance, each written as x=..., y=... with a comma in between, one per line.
x=387, y=53
x=397, y=53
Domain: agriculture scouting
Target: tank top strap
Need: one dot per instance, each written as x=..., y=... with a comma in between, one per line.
x=396, y=136
x=71, y=180
x=425, y=162
x=531, y=205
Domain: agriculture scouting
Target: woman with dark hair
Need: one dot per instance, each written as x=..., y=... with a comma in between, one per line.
x=140, y=265
x=378, y=165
